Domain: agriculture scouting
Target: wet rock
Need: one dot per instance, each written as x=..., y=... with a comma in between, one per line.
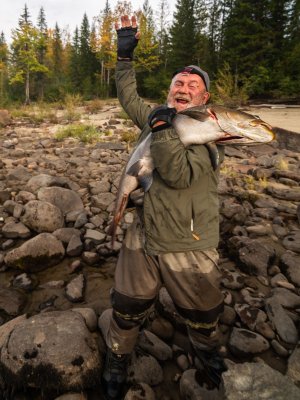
x=233, y=280
x=43, y=180
x=38, y=355
x=293, y=370
x=253, y=256
x=144, y=368
x=264, y=329
x=292, y=241
x=65, y=199
x=75, y=266
x=250, y=316
x=89, y=316
x=65, y=234
x=162, y=328
x=151, y=344
x=75, y=289
x=190, y=388
x=14, y=230
x=140, y=391
x=284, y=192
x=25, y=282
x=95, y=236
x=286, y=298
x=252, y=299
x=289, y=263
x=42, y=216
x=228, y=316
x=90, y=257
x=257, y=381
x=36, y=254
x=75, y=246
x=279, y=349
x=8, y=327
x=81, y=220
x=281, y=321
x=12, y=301
x=103, y=200
x=243, y=342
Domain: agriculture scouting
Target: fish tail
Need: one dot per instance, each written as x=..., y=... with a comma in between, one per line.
x=117, y=218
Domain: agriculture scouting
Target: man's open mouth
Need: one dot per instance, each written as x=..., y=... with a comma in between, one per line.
x=182, y=101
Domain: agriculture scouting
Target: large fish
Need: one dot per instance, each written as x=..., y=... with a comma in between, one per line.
x=195, y=125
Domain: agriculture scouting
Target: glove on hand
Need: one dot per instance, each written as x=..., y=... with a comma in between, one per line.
x=127, y=42
x=160, y=114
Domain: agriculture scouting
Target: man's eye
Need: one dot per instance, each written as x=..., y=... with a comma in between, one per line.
x=193, y=86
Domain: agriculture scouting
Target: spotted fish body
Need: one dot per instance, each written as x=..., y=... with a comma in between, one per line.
x=195, y=125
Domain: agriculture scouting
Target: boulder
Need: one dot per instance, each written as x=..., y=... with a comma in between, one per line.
x=257, y=381
x=37, y=353
x=65, y=199
x=42, y=216
x=38, y=253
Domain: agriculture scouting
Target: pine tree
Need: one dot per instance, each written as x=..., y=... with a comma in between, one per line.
x=24, y=61
x=86, y=58
x=183, y=34
x=106, y=49
x=42, y=49
x=146, y=55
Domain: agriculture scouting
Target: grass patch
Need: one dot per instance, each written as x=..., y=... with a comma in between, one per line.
x=94, y=106
x=129, y=136
x=84, y=133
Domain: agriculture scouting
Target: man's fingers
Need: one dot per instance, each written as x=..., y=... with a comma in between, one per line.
x=123, y=21
x=137, y=35
x=117, y=27
x=127, y=21
x=133, y=21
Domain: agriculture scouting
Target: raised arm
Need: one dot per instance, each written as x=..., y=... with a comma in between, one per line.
x=131, y=102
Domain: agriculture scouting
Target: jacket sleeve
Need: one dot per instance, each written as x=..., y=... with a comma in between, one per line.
x=177, y=165
x=131, y=102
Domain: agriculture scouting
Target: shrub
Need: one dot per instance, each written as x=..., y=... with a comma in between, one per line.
x=84, y=133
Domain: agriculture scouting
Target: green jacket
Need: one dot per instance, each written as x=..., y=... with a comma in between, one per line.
x=181, y=210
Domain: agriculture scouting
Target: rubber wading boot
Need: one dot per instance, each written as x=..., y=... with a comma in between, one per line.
x=210, y=367
x=114, y=375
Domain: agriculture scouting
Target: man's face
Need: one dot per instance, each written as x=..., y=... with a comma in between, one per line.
x=187, y=90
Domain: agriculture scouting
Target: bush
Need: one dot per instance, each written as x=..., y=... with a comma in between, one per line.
x=84, y=133
x=227, y=91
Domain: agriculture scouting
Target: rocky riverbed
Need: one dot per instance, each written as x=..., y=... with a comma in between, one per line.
x=57, y=267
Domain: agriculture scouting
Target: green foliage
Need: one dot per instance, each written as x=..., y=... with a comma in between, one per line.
x=257, y=39
x=84, y=133
x=226, y=90
x=156, y=85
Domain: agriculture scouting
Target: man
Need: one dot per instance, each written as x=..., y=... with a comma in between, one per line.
x=173, y=241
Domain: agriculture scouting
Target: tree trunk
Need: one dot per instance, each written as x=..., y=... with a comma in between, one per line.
x=27, y=98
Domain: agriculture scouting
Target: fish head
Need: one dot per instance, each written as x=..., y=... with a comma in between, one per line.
x=241, y=128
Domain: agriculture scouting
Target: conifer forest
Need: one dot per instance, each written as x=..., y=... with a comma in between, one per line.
x=251, y=49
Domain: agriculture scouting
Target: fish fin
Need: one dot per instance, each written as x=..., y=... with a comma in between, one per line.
x=213, y=155
x=135, y=168
x=198, y=115
x=146, y=181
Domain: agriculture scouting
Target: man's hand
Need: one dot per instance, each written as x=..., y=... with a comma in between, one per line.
x=128, y=38
x=161, y=118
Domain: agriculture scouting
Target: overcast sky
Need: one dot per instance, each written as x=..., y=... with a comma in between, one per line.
x=67, y=13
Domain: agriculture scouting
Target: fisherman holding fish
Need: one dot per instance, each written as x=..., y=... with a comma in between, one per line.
x=173, y=240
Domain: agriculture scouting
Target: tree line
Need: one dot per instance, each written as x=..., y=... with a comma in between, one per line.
x=251, y=49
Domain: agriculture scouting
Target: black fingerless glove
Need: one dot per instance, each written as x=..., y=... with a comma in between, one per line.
x=127, y=42
x=164, y=114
